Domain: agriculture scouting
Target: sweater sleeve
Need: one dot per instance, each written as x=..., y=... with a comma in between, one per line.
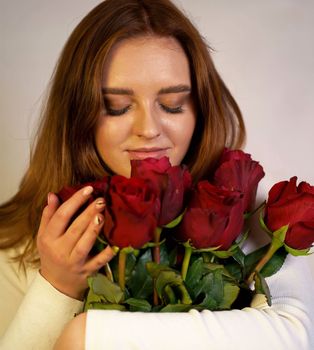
x=40, y=314
x=286, y=325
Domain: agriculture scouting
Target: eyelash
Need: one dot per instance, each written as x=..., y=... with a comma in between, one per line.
x=119, y=112
x=175, y=110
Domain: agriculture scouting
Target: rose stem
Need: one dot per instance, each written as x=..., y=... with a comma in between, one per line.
x=186, y=262
x=122, y=262
x=274, y=246
x=156, y=258
x=156, y=249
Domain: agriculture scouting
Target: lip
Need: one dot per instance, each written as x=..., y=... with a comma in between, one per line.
x=142, y=153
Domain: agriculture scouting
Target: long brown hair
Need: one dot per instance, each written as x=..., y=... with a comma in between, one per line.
x=64, y=152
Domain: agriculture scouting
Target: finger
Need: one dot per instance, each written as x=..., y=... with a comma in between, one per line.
x=65, y=212
x=48, y=212
x=85, y=243
x=81, y=223
x=100, y=260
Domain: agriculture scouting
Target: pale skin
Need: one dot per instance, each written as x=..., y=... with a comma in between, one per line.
x=63, y=251
x=149, y=112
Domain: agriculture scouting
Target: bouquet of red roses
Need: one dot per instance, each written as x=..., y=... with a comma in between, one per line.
x=179, y=244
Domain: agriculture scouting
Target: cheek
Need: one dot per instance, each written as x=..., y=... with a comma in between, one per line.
x=182, y=133
x=106, y=138
x=109, y=136
x=186, y=129
x=110, y=131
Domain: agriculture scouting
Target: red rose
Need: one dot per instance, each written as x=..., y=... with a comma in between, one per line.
x=169, y=182
x=237, y=171
x=100, y=189
x=294, y=205
x=213, y=218
x=131, y=214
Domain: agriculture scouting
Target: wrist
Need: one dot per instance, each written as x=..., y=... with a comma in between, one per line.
x=64, y=288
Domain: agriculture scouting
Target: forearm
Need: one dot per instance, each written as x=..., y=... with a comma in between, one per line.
x=40, y=318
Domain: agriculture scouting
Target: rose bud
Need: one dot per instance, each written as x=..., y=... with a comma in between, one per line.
x=289, y=204
x=100, y=189
x=131, y=214
x=214, y=218
x=171, y=183
x=237, y=171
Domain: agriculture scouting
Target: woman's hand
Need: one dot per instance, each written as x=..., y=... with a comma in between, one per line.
x=64, y=249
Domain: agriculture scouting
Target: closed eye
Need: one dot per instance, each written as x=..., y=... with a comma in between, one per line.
x=172, y=110
x=117, y=112
x=114, y=111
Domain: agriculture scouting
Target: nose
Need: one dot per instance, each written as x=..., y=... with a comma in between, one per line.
x=147, y=123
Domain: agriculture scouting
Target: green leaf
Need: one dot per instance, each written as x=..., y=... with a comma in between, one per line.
x=216, y=281
x=111, y=292
x=154, y=269
x=209, y=267
x=230, y=294
x=138, y=305
x=184, y=294
x=153, y=244
x=175, y=222
x=239, y=256
x=129, y=265
x=164, y=276
x=101, y=306
x=222, y=254
x=202, y=250
x=164, y=255
x=169, y=295
x=297, y=252
x=251, y=260
x=236, y=264
x=234, y=269
x=209, y=290
x=141, y=283
x=280, y=234
x=194, y=274
x=167, y=277
x=176, y=308
x=261, y=287
x=92, y=298
x=129, y=250
x=275, y=263
x=211, y=285
x=271, y=267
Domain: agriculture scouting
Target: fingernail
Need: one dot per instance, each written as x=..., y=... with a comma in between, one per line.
x=115, y=249
x=98, y=220
x=100, y=202
x=88, y=190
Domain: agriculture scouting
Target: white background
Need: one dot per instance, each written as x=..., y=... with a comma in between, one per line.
x=264, y=51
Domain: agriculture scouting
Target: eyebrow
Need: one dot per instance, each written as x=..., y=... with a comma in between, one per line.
x=162, y=91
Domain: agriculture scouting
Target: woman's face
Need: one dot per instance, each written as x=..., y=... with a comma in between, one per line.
x=149, y=110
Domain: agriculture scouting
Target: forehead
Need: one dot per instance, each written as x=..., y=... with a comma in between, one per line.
x=147, y=59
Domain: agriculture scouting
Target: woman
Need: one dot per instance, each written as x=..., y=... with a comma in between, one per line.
x=134, y=80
